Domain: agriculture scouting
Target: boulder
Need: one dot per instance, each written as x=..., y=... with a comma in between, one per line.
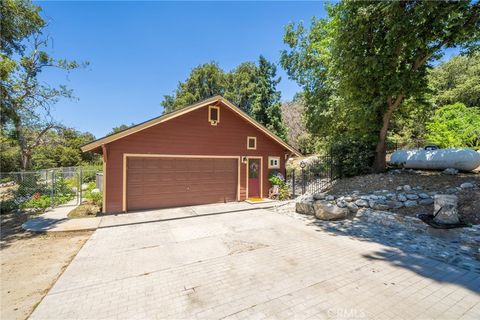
x=319, y=196
x=412, y=196
x=394, y=204
x=467, y=185
x=450, y=171
x=445, y=209
x=304, y=208
x=342, y=203
x=402, y=197
x=330, y=198
x=407, y=188
x=361, y=203
x=352, y=207
x=377, y=205
x=423, y=195
x=324, y=210
x=410, y=203
x=425, y=201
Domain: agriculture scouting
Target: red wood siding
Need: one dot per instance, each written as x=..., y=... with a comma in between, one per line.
x=191, y=134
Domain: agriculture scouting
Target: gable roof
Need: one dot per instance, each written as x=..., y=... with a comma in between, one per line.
x=152, y=122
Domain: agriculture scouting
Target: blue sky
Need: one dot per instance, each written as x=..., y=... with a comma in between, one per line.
x=138, y=51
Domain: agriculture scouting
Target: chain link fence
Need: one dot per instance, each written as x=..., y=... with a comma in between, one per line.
x=43, y=189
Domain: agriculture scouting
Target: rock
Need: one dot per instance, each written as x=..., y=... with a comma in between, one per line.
x=412, y=196
x=361, y=203
x=426, y=201
x=410, y=203
x=352, y=207
x=402, y=197
x=365, y=197
x=391, y=195
x=445, y=209
x=452, y=190
x=450, y=171
x=394, y=204
x=324, y=210
x=423, y=195
x=467, y=185
x=330, y=198
x=319, y=196
x=348, y=199
x=377, y=205
x=395, y=171
x=342, y=203
x=374, y=197
x=407, y=188
x=399, y=188
x=304, y=208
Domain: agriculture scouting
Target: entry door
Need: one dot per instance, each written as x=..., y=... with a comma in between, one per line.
x=254, y=172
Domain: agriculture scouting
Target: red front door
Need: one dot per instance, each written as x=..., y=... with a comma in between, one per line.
x=254, y=178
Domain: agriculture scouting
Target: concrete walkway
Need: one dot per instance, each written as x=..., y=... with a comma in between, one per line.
x=221, y=262
x=56, y=220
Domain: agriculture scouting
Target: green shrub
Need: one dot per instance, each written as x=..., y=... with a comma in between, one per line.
x=275, y=180
x=97, y=198
x=7, y=206
x=37, y=202
x=352, y=156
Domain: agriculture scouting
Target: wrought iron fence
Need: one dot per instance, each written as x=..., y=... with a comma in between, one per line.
x=39, y=190
x=313, y=176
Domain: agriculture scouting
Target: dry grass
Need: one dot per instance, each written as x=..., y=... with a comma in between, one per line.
x=85, y=210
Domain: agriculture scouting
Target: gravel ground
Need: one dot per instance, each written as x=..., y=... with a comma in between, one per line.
x=31, y=263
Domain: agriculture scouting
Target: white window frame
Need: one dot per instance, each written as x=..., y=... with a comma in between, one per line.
x=213, y=122
x=273, y=166
x=248, y=143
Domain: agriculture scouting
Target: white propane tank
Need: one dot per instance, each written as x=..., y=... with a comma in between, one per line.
x=440, y=159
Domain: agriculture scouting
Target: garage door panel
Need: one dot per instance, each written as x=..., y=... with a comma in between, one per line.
x=156, y=182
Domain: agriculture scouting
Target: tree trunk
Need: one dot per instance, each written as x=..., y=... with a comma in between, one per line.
x=380, y=162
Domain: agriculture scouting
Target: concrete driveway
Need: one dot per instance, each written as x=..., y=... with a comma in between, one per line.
x=220, y=261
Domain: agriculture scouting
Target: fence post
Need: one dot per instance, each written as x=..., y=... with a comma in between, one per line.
x=52, y=190
x=81, y=182
x=302, y=166
x=293, y=183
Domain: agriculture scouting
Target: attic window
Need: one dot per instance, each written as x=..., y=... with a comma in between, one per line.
x=213, y=115
x=252, y=143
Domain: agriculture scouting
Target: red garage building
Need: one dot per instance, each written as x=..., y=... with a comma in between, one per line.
x=206, y=153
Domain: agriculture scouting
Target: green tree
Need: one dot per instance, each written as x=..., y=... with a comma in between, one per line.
x=266, y=106
x=26, y=101
x=120, y=128
x=252, y=88
x=455, y=125
x=457, y=80
x=359, y=65
x=204, y=81
x=62, y=149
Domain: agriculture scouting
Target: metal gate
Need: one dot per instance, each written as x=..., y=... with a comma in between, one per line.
x=314, y=175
